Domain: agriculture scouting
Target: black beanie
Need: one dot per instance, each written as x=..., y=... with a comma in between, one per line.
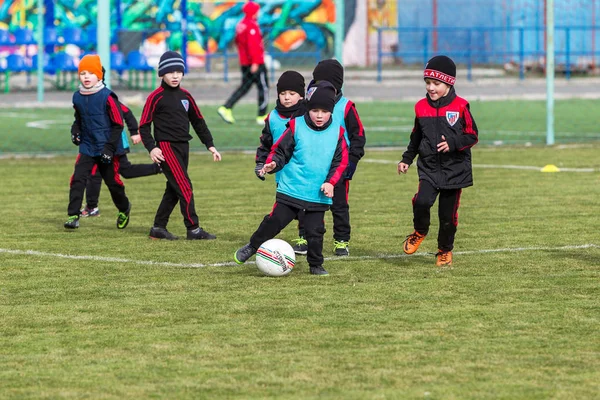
x=322, y=96
x=291, y=80
x=170, y=61
x=331, y=71
x=441, y=68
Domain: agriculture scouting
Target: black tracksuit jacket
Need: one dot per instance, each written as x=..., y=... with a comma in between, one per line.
x=172, y=110
x=451, y=117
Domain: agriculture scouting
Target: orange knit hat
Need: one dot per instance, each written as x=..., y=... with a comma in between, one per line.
x=91, y=63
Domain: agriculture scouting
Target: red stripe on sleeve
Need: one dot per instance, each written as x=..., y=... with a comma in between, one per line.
x=468, y=129
x=469, y=120
x=349, y=106
x=339, y=171
x=150, y=106
x=193, y=103
x=115, y=114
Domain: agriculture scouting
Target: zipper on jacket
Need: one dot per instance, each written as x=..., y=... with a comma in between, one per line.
x=438, y=155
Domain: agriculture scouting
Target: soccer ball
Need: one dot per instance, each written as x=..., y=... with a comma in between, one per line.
x=275, y=257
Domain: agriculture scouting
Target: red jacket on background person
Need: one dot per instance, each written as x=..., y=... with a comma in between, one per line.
x=248, y=37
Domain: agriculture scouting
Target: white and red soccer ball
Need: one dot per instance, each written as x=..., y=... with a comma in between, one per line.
x=275, y=257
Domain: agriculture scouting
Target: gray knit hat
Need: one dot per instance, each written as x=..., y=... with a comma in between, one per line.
x=170, y=61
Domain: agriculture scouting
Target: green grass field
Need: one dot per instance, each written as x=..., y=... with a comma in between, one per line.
x=387, y=124
x=105, y=314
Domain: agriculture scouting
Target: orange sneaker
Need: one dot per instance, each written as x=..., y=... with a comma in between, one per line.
x=412, y=242
x=443, y=258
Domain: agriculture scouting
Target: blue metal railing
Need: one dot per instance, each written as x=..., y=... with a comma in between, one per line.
x=276, y=55
x=517, y=44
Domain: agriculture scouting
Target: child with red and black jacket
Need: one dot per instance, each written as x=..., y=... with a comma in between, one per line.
x=97, y=131
x=171, y=109
x=442, y=137
x=126, y=169
x=345, y=112
x=311, y=157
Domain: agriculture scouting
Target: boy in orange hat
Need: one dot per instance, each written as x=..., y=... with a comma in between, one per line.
x=97, y=131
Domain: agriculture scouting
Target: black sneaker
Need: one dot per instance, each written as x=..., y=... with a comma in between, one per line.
x=161, y=233
x=341, y=248
x=318, y=270
x=199, y=234
x=72, y=222
x=123, y=218
x=301, y=246
x=244, y=253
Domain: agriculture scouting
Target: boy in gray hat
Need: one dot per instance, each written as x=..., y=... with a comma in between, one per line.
x=171, y=109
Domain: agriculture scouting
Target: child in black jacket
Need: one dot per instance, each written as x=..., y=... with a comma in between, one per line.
x=171, y=109
x=443, y=135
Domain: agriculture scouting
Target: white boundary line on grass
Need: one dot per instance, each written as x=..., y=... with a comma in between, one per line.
x=500, y=166
x=225, y=264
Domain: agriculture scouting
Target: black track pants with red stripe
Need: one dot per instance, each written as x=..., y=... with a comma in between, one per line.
x=447, y=212
x=179, y=187
x=126, y=170
x=281, y=216
x=110, y=174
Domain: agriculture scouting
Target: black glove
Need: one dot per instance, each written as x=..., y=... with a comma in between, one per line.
x=257, y=169
x=76, y=139
x=106, y=157
x=350, y=169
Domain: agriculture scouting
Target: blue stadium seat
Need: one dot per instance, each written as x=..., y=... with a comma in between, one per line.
x=23, y=36
x=74, y=35
x=5, y=37
x=91, y=35
x=51, y=36
x=4, y=75
x=65, y=69
x=48, y=67
x=15, y=63
x=63, y=62
x=138, y=63
x=117, y=62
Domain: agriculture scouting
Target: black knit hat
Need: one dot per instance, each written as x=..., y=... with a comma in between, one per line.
x=170, y=61
x=321, y=96
x=331, y=71
x=291, y=80
x=441, y=68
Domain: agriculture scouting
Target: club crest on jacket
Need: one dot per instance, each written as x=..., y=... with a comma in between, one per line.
x=452, y=117
x=186, y=104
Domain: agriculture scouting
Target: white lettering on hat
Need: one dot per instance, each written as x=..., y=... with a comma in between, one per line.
x=440, y=76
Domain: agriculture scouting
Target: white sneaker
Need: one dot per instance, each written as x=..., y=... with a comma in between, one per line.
x=89, y=212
